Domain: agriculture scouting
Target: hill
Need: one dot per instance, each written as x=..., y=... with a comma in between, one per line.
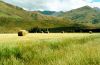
x=47, y=12
x=13, y=18
x=84, y=15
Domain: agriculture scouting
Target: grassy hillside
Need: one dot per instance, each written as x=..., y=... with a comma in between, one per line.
x=89, y=17
x=13, y=18
x=85, y=15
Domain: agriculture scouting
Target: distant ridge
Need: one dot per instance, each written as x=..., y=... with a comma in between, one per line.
x=13, y=18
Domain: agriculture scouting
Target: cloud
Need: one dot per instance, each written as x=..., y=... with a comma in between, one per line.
x=94, y=4
x=65, y=4
x=53, y=5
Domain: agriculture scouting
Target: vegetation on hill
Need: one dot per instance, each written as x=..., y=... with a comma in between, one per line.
x=79, y=14
x=86, y=15
x=47, y=12
x=13, y=18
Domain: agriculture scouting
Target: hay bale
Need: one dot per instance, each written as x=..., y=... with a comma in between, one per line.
x=47, y=32
x=42, y=32
x=90, y=32
x=22, y=33
x=62, y=32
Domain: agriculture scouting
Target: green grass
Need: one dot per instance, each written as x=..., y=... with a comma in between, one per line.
x=50, y=49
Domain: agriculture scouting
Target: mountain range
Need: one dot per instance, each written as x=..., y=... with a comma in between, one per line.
x=13, y=18
x=84, y=15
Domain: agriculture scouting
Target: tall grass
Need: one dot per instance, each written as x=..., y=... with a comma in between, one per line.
x=50, y=49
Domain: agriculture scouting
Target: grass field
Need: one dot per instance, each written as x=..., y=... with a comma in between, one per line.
x=50, y=49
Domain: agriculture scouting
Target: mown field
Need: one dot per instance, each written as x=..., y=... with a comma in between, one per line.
x=50, y=49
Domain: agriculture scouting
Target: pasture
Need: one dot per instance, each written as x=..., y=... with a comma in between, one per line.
x=50, y=49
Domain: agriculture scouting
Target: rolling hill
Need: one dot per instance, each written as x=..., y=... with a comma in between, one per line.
x=85, y=15
x=13, y=18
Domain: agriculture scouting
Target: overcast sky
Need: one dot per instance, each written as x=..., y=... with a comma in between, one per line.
x=53, y=5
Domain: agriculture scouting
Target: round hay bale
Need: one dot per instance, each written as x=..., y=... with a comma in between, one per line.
x=62, y=32
x=90, y=32
x=42, y=32
x=22, y=33
x=47, y=32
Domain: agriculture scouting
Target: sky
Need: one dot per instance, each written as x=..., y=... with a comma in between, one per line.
x=53, y=5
